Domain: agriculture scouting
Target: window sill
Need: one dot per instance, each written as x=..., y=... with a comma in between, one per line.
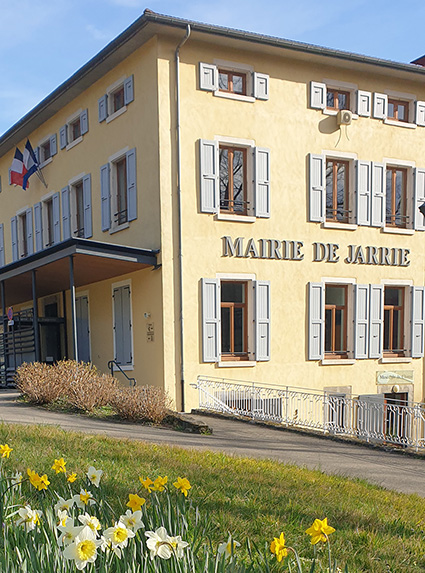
x=341, y=362
x=396, y=359
x=74, y=143
x=342, y=226
x=336, y=111
x=400, y=123
x=236, y=97
x=236, y=363
x=116, y=114
x=238, y=218
x=46, y=162
x=398, y=231
x=119, y=228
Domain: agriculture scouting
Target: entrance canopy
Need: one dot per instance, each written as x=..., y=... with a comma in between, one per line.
x=92, y=262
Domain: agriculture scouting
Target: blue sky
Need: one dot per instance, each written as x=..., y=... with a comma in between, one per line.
x=43, y=42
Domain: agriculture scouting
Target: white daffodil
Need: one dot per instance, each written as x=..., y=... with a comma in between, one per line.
x=94, y=475
x=83, y=548
x=68, y=532
x=159, y=543
x=91, y=521
x=118, y=535
x=178, y=545
x=28, y=518
x=228, y=548
x=83, y=499
x=132, y=520
x=63, y=504
x=63, y=517
x=16, y=478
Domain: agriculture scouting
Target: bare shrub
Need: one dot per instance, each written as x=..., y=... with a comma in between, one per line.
x=38, y=383
x=142, y=404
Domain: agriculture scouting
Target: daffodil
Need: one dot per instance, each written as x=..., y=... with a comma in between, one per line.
x=59, y=466
x=83, y=499
x=118, y=536
x=159, y=543
x=228, y=548
x=72, y=477
x=91, y=521
x=147, y=483
x=159, y=483
x=43, y=483
x=63, y=517
x=39, y=482
x=94, y=475
x=5, y=450
x=132, y=520
x=135, y=502
x=177, y=546
x=28, y=518
x=183, y=485
x=63, y=504
x=68, y=532
x=16, y=478
x=83, y=548
x=319, y=531
x=277, y=547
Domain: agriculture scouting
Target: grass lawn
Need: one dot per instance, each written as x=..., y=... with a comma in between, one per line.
x=376, y=530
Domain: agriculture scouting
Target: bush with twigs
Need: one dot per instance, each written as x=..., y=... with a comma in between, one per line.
x=141, y=404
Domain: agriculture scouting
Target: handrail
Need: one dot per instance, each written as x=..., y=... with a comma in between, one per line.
x=111, y=364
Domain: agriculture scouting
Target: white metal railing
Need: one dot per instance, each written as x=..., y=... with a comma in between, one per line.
x=370, y=419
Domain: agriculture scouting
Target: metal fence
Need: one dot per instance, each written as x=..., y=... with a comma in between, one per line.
x=369, y=418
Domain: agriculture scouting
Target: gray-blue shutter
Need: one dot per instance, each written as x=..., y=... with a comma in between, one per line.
x=262, y=182
x=378, y=195
x=376, y=321
x=363, y=188
x=316, y=321
x=209, y=171
x=88, y=225
x=0, y=184
x=63, y=136
x=418, y=321
x=10, y=176
x=122, y=326
x=83, y=332
x=2, y=256
x=103, y=107
x=14, y=232
x=105, y=196
x=56, y=218
x=208, y=77
x=128, y=90
x=53, y=145
x=84, y=121
x=361, y=321
x=38, y=224
x=211, y=311
x=318, y=95
x=66, y=214
x=261, y=85
x=30, y=238
x=131, y=185
x=317, y=183
x=419, y=199
x=262, y=320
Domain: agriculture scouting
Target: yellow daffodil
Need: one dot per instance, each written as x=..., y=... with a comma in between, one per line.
x=43, y=482
x=277, y=547
x=147, y=483
x=59, y=466
x=183, y=485
x=135, y=502
x=5, y=450
x=33, y=477
x=159, y=483
x=72, y=477
x=319, y=531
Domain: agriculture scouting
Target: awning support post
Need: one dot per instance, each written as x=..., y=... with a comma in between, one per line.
x=73, y=307
x=35, y=318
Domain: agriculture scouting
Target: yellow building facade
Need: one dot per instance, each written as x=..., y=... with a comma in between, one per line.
x=222, y=204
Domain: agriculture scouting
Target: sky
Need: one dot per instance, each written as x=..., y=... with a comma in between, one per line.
x=43, y=42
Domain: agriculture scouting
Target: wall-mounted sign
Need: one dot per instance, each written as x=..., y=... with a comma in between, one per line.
x=404, y=377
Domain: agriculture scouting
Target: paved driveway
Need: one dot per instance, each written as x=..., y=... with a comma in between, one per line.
x=391, y=470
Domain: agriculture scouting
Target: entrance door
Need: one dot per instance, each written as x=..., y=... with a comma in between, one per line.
x=83, y=330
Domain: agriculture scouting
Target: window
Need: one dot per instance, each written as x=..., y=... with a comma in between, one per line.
x=235, y=320
x=332, y=96
x=22, y=235
x=337, y=99
x=122, y=326
x=337, y=190
x=118, y=189
x=396, y=200
x=394, y=321
x=232, y=82
x=116, y=99
x=77, y=208
x=47, y=222
x=45, y=151
x=398, y=110
x=235, y=179
x=336, y=321
x=72, y=132
x=233, y=196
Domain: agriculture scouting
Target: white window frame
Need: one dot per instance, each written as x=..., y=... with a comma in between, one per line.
x=346, y=87
x=352, y=191
x=45, y=219
x=73, y=202
x=245, y=69
x=409, y=166
x=113, y=159
x=127, y=282
x=70, y=121
x=407, y=310
x=20, y=215
x=44, y=162
x=407, y=97
x=110, y=90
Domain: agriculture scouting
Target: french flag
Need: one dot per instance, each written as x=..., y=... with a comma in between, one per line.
x=30, y=164
x=18, y=169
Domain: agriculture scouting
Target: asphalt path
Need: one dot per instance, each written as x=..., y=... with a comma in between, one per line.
x=394, y=471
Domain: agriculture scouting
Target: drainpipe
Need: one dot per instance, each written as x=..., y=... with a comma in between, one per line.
x=179, y=214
